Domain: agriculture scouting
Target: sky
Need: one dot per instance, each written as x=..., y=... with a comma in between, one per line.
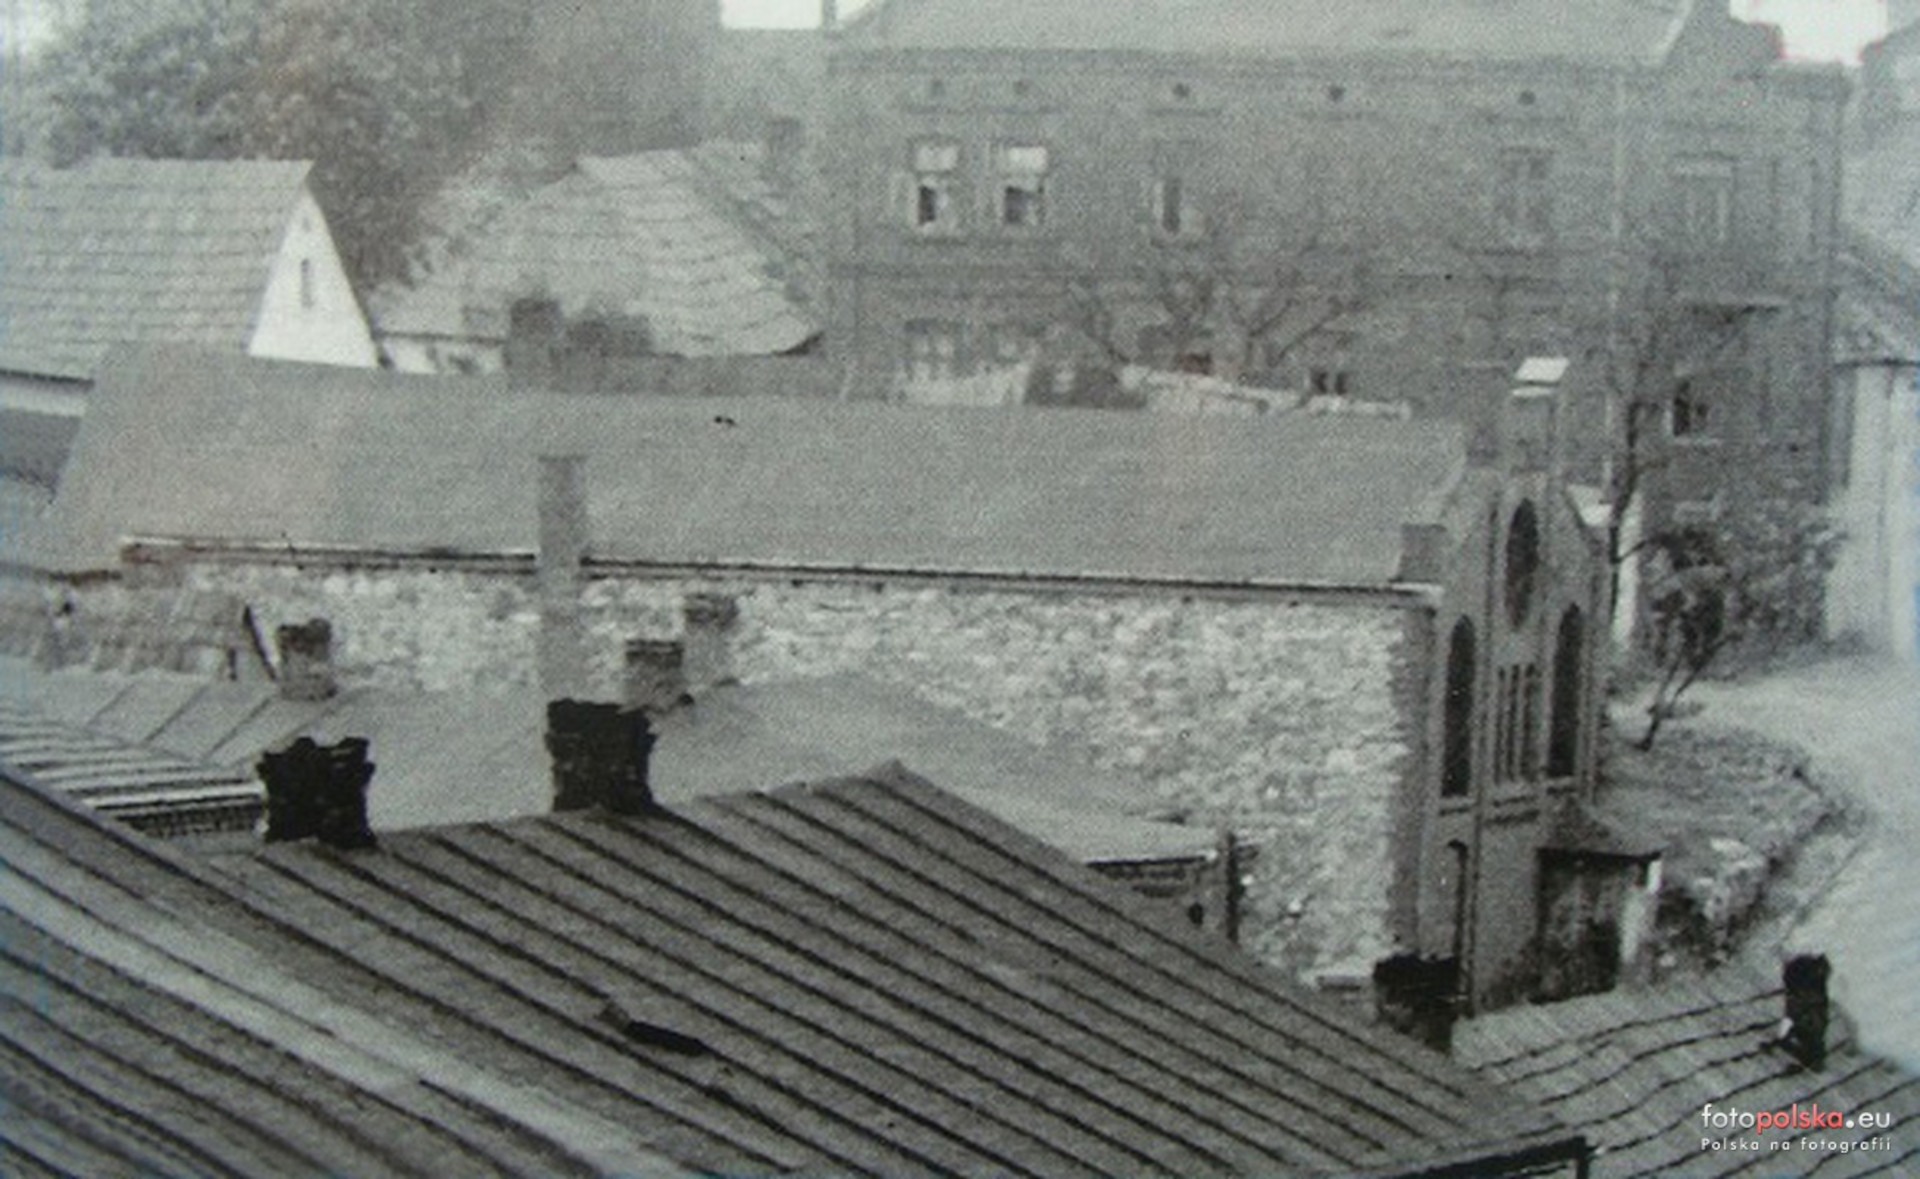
x=1816, y=30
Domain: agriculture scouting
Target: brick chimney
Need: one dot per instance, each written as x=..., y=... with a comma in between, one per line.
x=1805, y=1033
x=1529, y=420
x=711, y=621
x=1419, y=997
x=306, y=660
x=536, y=343
x=319, y=792
x=656, y=675
x=563, y=543
x=600, y=757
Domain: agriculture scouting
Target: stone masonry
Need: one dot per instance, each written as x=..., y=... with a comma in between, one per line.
x=1281, y=719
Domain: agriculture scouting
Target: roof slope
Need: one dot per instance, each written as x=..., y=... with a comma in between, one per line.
x=1594, y=30
x=435, y=770
x=117, y=250
x=856, y=977
x=297, y=456
x=625, y=236
x=1635, y=1068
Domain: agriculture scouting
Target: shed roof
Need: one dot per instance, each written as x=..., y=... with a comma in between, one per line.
x=1634, y=1068
x=467, y=756
x=639, y=235
x=1604, y=31
x=117, y=250
x=292, y=456
x=861, y=976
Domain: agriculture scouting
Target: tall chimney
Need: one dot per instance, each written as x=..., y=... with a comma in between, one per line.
x=1805, y=1038
x=1529, y=421
x=319, y=792
x=711, y=621
x=600, y=757
x=306, y=660
x=829, y=14
x=656, y=675
x=563, y=543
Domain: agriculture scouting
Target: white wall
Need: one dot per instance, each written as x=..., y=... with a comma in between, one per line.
x=317, y=318
x=1870, y=595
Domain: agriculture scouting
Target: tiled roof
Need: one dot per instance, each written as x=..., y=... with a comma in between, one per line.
x=632, y=235
x=860, y=977
x=305, y=456
x=466, y=756
x=117, y=250
x=1593, y=30
x=1634, y=1069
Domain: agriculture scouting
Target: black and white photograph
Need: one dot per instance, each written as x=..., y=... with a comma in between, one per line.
x=1046, y=588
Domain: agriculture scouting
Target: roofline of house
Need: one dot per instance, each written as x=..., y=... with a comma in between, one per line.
x=848, y=56
x=168, y=550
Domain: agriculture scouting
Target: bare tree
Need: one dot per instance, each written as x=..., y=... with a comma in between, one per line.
x=1245, y=300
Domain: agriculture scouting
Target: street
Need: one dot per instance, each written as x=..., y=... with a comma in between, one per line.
x=1860, y=720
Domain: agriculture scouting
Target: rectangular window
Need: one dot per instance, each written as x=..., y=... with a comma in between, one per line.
x=1692, y=412
x=1523, y=200
x=1703, y=201
x=1021, y=169
x=932, y=350
x=936, y=167
x=307, y=294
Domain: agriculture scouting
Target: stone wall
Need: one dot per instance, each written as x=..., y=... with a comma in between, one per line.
x=1278, y=719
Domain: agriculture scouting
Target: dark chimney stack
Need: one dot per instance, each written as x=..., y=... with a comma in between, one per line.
x=319, y=792
x=1419, y=997
x=600, y=755
x=1805, y=1038
x=306, y=660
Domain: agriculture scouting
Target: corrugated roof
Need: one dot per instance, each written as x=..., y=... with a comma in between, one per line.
x=117, y=250
x=1635, y=1068
x=1549, y=30
x=294, y=455
x=154, y=790
x=624, y=236
x=855, y=977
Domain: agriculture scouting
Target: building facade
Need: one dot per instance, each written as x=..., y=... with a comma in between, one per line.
x=1369, y=655
x=1396, y=202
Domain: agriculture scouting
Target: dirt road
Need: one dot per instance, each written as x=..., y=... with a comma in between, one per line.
x=1860, y=719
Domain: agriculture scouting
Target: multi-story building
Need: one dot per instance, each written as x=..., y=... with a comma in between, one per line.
x=1391, y=199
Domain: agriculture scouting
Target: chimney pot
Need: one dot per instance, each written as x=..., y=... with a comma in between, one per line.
x=1805, y=977
x=319, y=792
x=711, y=621
x=600, y=757
x=306, y=660
x=656, y=680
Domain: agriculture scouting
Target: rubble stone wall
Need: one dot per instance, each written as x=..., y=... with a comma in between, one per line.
x=1284, y=720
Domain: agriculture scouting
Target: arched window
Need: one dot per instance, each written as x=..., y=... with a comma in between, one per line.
x=1563, y=734
x=1456, y=758
x=1523, y=562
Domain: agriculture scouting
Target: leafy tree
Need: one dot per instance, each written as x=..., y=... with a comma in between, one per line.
x=1751, y=576
x=361, y=87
